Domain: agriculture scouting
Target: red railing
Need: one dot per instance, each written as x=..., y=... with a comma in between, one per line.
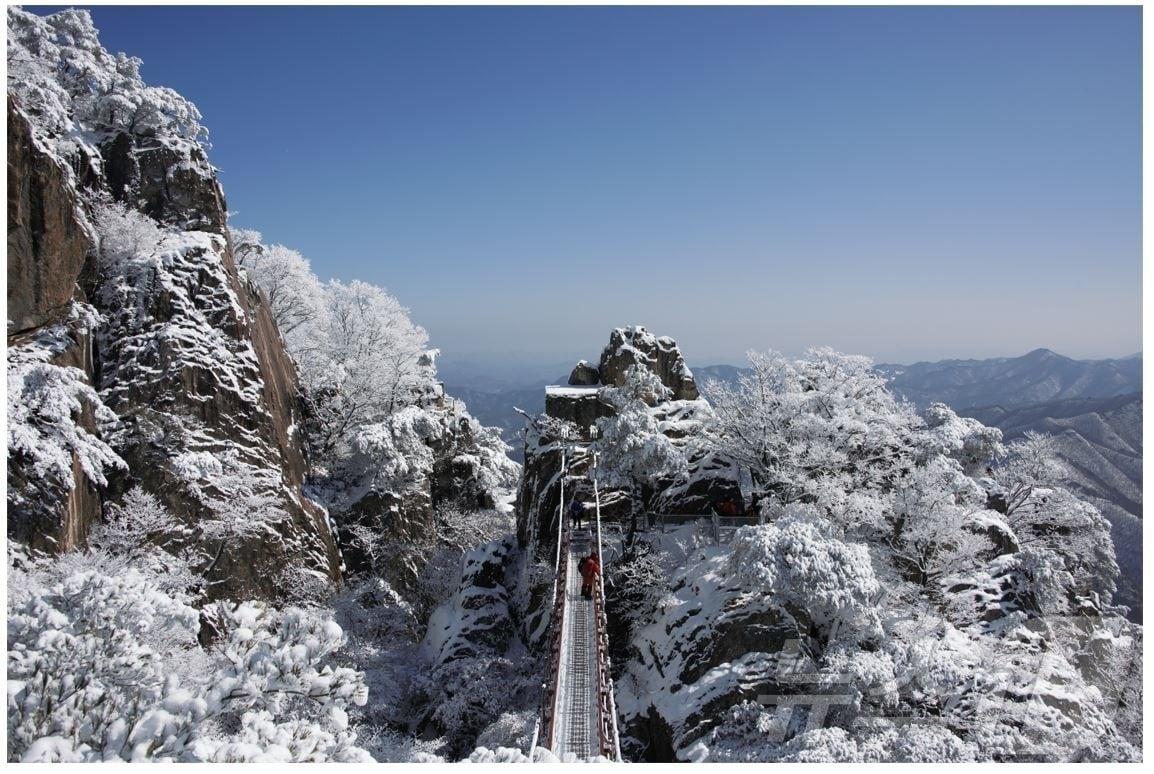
x=607, y=704
x=606, y=709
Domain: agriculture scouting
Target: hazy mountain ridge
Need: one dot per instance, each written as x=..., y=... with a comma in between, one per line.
x=498, y=409
x=1036, y=377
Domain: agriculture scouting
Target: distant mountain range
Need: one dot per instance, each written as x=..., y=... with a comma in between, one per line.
x=1036, y=377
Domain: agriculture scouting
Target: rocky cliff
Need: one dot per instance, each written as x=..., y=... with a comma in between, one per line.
x=708, y=480
x=711, y=645
x=164, y=343
x=636, y=346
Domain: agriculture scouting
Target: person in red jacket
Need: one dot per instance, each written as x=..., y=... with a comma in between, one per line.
x=590, y=568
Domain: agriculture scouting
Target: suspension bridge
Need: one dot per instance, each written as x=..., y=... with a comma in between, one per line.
x=578, y=716
x=578, y=713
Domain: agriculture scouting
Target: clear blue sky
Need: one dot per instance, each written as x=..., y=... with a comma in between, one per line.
x=906, y=183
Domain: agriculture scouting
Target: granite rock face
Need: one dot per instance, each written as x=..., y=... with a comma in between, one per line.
x=582, y=407
x=635, y=345
x=711, y=646
x=200, y=402
x=584, y=374
x=48, y=242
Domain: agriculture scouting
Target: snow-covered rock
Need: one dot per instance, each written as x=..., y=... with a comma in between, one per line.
x=118, y=207
x=634, y=345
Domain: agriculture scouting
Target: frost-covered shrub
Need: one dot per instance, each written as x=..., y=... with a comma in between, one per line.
x=1077, y=534
x=394, y=452
x=304, y=587
x=141, y=534
x=468, y=695
x=634, y=586
x=382, y=634
x=964, y=439
x=106, y=667
x=931, y=506
x=82, y=683
x=484, y=754
x=511, y=730
x=798, y=563
x=124, y=233
x=457, y=532
x=262, y=739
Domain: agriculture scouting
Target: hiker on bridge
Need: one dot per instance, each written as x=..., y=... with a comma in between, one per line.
x=590, y=568
x=576, y=512
x=727, y=507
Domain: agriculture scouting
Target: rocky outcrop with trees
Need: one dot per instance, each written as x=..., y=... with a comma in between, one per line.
x=196, y=420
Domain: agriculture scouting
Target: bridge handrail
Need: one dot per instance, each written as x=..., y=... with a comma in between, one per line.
x=612, y=744
x=556, y=634
x=609, y=743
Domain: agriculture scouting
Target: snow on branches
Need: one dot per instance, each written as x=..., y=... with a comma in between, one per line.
x=79, y=94
x=359, y=354
x=797, y=562
x=107, y=667
x=805, y=427
x=630, y=445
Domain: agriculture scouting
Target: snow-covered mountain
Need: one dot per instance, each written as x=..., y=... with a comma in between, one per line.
x=882, y=612
x=1037, y=377
x=211, y=453
x=246, y=522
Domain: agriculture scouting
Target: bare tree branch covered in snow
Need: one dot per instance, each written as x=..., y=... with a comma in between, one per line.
x=360, y=355
x=105, y=664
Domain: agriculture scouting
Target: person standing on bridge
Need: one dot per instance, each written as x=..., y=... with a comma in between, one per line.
x=576, y=512
x=590, y=568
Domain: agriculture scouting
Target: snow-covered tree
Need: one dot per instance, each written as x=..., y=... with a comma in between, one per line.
x=1032, y=461
x=935, y=510
x=359, y=355
x=805, y=427
x=80, y=94
x=108, y=668
x=631, y=449
x=295, y=295
x=371, y=354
